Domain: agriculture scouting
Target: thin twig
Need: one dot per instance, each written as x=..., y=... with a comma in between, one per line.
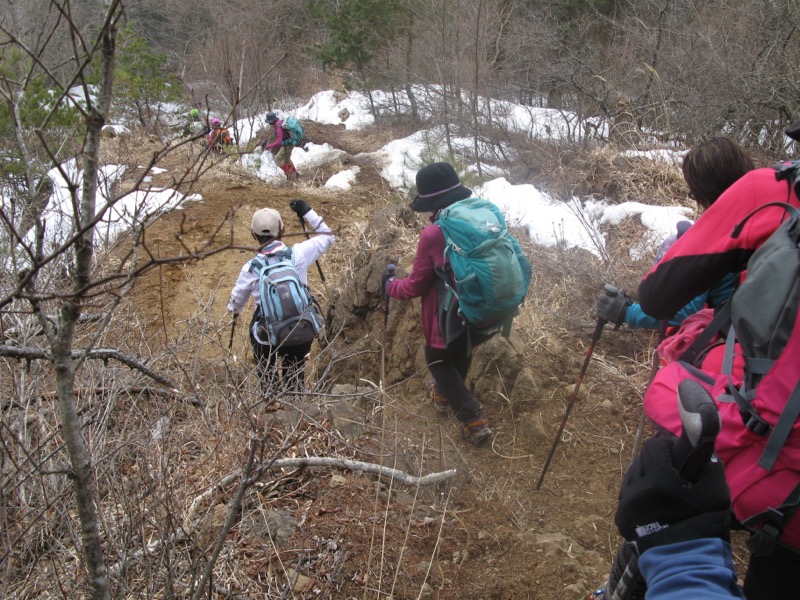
x=104, y=354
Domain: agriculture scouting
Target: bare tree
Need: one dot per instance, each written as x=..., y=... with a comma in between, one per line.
x=100, y=52
x=52, y=268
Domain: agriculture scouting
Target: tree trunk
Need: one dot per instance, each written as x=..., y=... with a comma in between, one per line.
x=80, y=460
x=475, y=92
x=412, y=100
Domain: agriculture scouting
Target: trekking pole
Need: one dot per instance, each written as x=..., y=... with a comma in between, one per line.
x=233, y=329
x=308, y=237
x=391, y=270
x=598, y=331
x=700, y=424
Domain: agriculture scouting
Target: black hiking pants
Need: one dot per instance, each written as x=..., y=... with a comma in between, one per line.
x=772, y=577
x=290, y=377
x=449, y=368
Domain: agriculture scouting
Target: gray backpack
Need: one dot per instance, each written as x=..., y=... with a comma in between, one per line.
x=288, y=313
x=764, y=312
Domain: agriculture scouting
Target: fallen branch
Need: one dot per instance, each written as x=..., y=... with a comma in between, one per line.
x=295, y=463
x=357, y=465
x=321, y=461
x=132, y=390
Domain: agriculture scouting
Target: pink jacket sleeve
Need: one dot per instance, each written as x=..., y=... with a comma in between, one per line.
x=422, y=274
x=279, y=133
x=422, y=282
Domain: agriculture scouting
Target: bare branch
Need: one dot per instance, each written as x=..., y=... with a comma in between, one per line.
x=104, y=354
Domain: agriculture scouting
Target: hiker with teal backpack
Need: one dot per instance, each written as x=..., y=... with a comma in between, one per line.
x=454, y=317
x=288, y=134
x=286, y=319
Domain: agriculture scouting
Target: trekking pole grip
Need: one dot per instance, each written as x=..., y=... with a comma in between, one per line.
x=700, y=425
x=611, y=291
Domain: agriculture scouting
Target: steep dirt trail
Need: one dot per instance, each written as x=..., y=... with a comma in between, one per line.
x=500, y=537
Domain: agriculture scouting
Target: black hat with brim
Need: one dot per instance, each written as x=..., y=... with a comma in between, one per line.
x=438, y=187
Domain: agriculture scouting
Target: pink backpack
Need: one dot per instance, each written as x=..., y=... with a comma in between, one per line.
x=760, y=438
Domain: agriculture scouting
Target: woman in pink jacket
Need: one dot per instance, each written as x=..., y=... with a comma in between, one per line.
x=438, y=187
x=700, y=258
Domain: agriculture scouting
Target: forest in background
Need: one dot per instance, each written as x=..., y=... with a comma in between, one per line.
x=679, y=70
x=634, y=74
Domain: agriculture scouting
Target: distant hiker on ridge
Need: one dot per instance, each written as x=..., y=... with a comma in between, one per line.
x=283, y=144
x=195, y=125
x=219, y=139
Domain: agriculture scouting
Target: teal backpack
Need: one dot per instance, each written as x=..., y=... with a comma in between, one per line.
x=287, y=313
x=294, y=130
x=488, y=275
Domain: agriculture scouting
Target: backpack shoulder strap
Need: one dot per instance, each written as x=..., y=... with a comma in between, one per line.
x=792, y=210
x=752, y=420
x=780, y=433
x=720, y=322
x=263, y=259
x=285, y=254
x=258, y=263
x=741, y=395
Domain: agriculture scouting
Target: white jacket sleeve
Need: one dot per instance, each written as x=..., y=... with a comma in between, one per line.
x=305, y=253
x=244, y=288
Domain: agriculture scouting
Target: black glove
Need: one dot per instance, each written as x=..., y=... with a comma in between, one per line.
x=300, y=207
x=657, y=506
x=388, y=276
x=613, y=308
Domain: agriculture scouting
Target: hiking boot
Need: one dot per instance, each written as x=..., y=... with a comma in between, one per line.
x=477, y=431
x=440, y=403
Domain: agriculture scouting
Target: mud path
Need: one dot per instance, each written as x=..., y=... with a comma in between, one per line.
x=500, y=537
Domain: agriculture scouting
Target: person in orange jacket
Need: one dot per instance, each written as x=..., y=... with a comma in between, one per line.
x=219, y=139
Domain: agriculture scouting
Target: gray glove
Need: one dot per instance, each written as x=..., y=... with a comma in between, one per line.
x=612, y=309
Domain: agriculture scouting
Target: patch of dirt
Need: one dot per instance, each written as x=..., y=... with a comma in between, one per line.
x=488, y=533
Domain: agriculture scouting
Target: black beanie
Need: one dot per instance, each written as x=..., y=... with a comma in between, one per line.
x=438, y=186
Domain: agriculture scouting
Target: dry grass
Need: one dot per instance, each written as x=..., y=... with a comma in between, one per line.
x=167, y=472
x=568, y=170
